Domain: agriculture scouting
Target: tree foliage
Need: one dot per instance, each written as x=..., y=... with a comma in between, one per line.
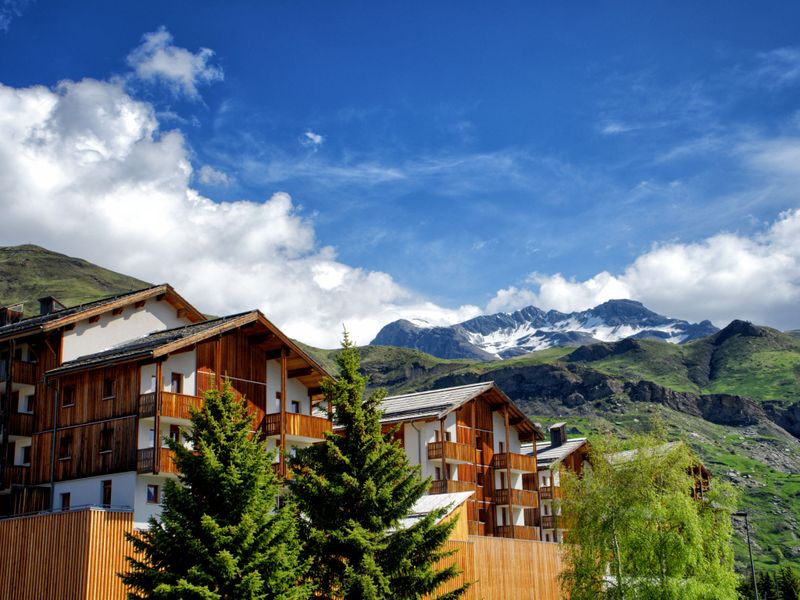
x=353, y=489
x=219, y=535
x=783, y=584
x=636, y=532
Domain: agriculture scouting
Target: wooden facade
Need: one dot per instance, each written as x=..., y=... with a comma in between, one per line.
x=74, y=555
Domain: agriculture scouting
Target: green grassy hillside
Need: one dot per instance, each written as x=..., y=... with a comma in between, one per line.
x=29, y=272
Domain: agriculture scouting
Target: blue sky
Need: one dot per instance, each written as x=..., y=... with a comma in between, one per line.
x=482, y=156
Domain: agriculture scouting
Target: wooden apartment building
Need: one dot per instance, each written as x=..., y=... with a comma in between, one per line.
x=469, y=439
x=90, y=392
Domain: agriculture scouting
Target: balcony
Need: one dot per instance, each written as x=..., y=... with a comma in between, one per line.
x=515, y=497
x=549, y=522
x=145, y=457
x=520, y=463
x=20, y=424
x=549, y=492
x=520, y=532
x=449, y=486
x=453, y=452
x=477, y=528
x=173, y=405
x=16, y=475
x=298, y=426
x=23, y=372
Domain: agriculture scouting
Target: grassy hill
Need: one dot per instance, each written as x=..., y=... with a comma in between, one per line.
x=29, y=272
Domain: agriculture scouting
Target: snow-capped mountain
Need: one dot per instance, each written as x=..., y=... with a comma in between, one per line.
x=504, y=335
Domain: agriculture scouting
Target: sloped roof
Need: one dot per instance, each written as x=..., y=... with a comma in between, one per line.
x=436, y=404
x=73, y=314
x=429, y=503
x=547, y=454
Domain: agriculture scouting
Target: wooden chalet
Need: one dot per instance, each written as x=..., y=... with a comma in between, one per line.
x=468, y=439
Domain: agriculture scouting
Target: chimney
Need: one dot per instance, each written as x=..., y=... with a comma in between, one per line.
x=10, y=314
x=49, y=305
x=558, y=434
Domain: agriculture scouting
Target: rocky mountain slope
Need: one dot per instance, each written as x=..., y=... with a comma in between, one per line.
x=506, y=335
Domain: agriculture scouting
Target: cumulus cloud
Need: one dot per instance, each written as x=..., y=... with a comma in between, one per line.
x=157, y=59
x=86, y=169
x=208, y=175
x=723, y=277
x=313, y=140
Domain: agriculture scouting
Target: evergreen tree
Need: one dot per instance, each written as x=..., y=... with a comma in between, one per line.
x=636, y=521
x=219, y=535
x=788, y=583
x=353, y=489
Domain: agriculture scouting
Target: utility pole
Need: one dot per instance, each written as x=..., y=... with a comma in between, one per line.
x=750, y=549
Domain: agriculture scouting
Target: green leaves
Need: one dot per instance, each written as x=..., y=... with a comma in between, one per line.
x=219, y=535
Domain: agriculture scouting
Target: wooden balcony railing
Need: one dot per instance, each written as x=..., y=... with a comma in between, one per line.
x=16, y=475
x=520, y=532
x=477, y=528
x=178, y=405
x=526, y=498
x=23, y=372
x=453, y=452
x=518, y=462
x=449, y=486
x=20, y=424
x=147, y=405
x=531, y=517
x=298, y=425
x=549, y=522
x=549, y=492
x=145, y=462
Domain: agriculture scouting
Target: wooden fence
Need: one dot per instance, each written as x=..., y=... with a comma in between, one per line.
x=71, y=555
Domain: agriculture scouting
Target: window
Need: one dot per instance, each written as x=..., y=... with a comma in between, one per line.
x=438, y=473
x=153, y=387
x=26, y=455
x=26, y=403
x=480, y=479
x=478, y=442
x=108, y=388
x=152, y=494
x=502, y=447
x=482, y=515
x=68, y=396
x=65, y=501
x=106, y=491
x=546, y=537
x=176, y=383
x=296, y=406
x=106, y=440
x=175, y=433
x=65, y=447
x=502, y=480
x=447, y=436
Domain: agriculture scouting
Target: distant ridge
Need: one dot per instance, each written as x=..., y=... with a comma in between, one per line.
x=30, y=272
x=506, y=335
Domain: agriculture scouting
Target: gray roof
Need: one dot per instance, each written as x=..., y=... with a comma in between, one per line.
x=141, y=347
x=37, y=321
x=547, y=454
x=427, y=504
x=430, y=404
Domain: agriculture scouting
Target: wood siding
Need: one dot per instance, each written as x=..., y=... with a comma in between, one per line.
x=298, y=425
x=74, y=555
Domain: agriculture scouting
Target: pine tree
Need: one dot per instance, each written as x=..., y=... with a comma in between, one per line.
x=788, y=584
x=219, y=535
x=353, y=490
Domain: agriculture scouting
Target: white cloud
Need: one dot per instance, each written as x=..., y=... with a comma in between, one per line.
x=85, y=169
x=10, y=10
x=157, y=59
x=721, y=278
x=208, y=175
x=312, y=140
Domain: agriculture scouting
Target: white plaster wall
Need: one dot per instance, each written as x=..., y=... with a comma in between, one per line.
x=20, y=442
x=499, y=430
x=273, y=385
x=519, y=516
x=414, y=445
x=145, y=436
x=111, y=330
x=297, y=391
x=25, y=392
x=89, y=490
x=142, y=511
x=450, y=426
x=147, y=375
x=184, y=363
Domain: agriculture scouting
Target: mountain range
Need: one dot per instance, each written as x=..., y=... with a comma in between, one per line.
x=506, y=335
x=733, y=395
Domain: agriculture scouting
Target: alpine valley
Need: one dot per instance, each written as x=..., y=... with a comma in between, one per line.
x=732, y=394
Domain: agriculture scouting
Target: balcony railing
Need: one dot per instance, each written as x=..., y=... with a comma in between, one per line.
x=145, y=460
x=147, y=405
x=297, y=425
x=173, y=405
x=20, y=424
x=518, y=462
x=16, y=475
x=526, y=498
x=549, y=522
x=23, y=372
x=549, y=492
x=453, y=452
x=449, y=486
x=520, y=532
x=477, y=528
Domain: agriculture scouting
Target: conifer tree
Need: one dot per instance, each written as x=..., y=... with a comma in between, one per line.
x=353, y=490
x=219, y=535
